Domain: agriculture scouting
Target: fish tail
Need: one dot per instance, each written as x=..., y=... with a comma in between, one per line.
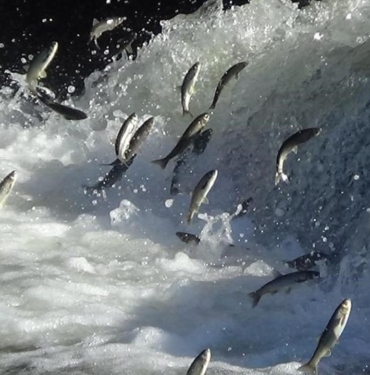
x=96, y=43
x=161, y=162
x=116, y=162
x=213, y=106
x=308, y=368
x=174, y=190
x=281, y=176
x=255, y=298
x=189, y=218
x=186, y=112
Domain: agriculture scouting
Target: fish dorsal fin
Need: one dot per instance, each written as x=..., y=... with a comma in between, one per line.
x=205, y=200
x=277, y=274
x=295, y=149
x=95, y=21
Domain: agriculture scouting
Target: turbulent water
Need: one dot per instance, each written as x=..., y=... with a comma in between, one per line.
x=100, y=284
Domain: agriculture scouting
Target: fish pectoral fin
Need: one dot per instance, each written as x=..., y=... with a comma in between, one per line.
x=205, y=200
x=276, y=274
x=295, y=149
x=328, y=353
x=42, y=74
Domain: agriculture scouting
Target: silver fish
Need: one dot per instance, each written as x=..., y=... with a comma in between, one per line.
x=329, y=337
x=226, y=78
x=307, y=261
x=114, y=175
x=6, y=186
x=283, y=282
x=186, y=139
x=289, y=145
x=244, y=208
x=200, y=363
x=200, y=193
x=135, y=142
x=187, y=87
x=199, y=145
x=39, y=64
x=123, y=139
x=125, y=45
x=188, y=238
x=69, y=113
x=100, y=27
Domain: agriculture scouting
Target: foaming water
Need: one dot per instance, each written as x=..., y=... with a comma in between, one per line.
x=100, y=284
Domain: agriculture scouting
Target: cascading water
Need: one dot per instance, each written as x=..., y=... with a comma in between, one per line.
x=100, y=284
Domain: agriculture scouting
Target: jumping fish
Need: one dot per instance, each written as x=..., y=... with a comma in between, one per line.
x=69, y=113
x=226, y=78
x=329, y=337
x=187, y=138
x=200, y=364
x=187, y=87
x=199, y=145
x=6, y=186
x=135, y=142
x=100, y=27
x=289, y=145
x=39, y=64
x=200, y=193
x=283, y=282
x=114, y=175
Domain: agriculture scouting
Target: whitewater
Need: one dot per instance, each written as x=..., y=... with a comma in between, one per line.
x=100, y=284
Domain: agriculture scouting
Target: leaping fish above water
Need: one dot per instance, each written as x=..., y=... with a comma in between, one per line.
x=123, y=139
x=225, y=79
x=289, y=145
x=329, y=337
x=200, y=364
x=6, y=186
x=192, y=131
x=69, y=113
x=283, y=282
x=134, y=143
x=200, y=193
x=100, y=27
x=187, y=87
x=39, y=64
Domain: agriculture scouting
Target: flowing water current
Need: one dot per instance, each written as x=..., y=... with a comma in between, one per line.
x=99, y=283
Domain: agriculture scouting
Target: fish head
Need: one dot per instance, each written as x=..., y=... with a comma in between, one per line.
x=345, y=306
x=209, y=178
x=206, y=354
x=206, y=117
x=12, y=175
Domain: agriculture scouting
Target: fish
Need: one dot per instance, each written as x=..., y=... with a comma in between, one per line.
x=69, y=113
x=200, y=193
x=225, y=79
x=244, y=208
x=114, y=175
x=307, y=261
x=39, y=64
x=135, y=142
x=123, y=139
x=187, y=87
x=188, y=238
x=282, y=282
x=199, y=145
x=186, y=139
x=100, y=27
x=6, y=186
x=329, y=337
x=200, y=364
x=289, y=145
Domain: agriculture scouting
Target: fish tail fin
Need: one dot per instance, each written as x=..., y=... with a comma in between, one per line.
x=96, y=43
x=308, y=368
x=186, y=112
x=213, y=106
x=116, y=162
x=161, y=162
x=174, y=190
x=255, y=298
x=281, y=176
x=189, y=218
